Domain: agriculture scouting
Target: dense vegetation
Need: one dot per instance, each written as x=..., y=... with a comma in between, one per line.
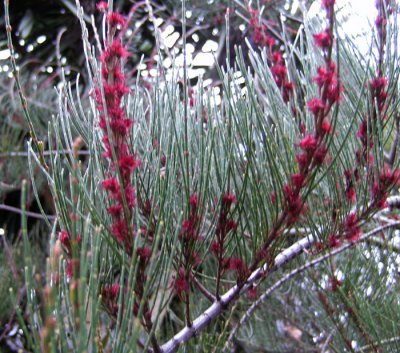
x=255, y=213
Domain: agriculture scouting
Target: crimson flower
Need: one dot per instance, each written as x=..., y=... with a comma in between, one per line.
x=102, y=6
x=323, y=39
x=315, y=105
x=308, y=143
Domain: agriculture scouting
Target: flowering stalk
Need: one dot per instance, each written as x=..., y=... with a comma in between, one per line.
x=312, y=146
x=381, y=182
x=188, y=237
x=116, y=126
x=276, y=62
x=224, y=227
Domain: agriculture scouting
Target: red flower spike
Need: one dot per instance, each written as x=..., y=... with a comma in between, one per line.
x=216, y=248
x=308, y=143
x=273, y=197
x=353, y=231
x=303, y=160
x=320, y=154
x=115, y=210
x=64, y=238
x=333, y=241
x=111, y=185
x=327, y=4
x=181, y=285
x=298, y=180
x=102, y=6
x=193, y=200
x=144, y=253
x=115, y=89
x=236, y=264
x=324, y=39
x=228, y=200
x=115, y=19
x=326, y=127
x=316, y=106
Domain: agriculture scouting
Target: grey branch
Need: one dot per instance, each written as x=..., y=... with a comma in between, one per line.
x=231, y=295
x=27, y=213
x=300, y=269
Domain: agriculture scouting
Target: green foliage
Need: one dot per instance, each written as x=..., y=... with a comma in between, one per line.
x=246, y=145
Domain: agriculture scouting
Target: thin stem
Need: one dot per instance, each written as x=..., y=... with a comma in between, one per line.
x=44, y=153
x=187, y=303
x=203, y=289
x=27, y=213
x=381, y=342
x=38, y=144
x=390, y=158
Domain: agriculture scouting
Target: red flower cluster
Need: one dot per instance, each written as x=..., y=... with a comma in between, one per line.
x=110, y=298
x=294, y=203
x=278, y=68
x=260, y=36
x=109, y=96
x=378, y=91
x=181, y=286
x=102, y=6
x=224, y=227
x=324, y=39
x=333, y=241
x=387, y=179
x=313, y=149
x=144, y=254
x=328, y=4
x=238, y=265
x=67, y=242
x=190, y=226
x=351, y=227
x=350, y=192
x=279, y=71
x=188, y=236
x=334, y=283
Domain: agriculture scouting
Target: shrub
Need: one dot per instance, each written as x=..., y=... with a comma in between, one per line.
x=187, y=215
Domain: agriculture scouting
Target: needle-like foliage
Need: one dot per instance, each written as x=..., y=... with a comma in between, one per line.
x=265, y=221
